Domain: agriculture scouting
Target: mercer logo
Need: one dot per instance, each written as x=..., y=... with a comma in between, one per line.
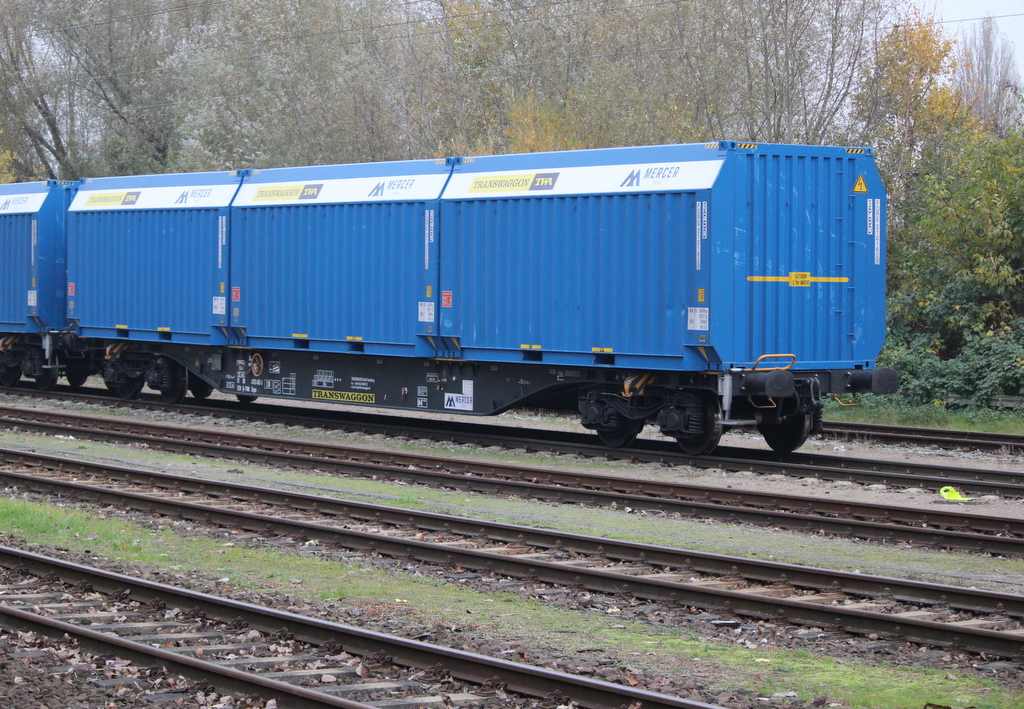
x=377, y=191
x=633, y=180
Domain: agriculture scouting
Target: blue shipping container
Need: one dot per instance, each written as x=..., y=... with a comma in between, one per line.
x=686, y=257
x=32, y=253
x=148, y=257
x=339, y=258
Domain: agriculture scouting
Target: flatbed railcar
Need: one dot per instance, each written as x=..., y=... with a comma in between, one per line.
x=694, y=287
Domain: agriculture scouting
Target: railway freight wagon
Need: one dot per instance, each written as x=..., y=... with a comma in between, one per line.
x=334, y=283
x=148, y=270
x=692, y=287
x=698, y=287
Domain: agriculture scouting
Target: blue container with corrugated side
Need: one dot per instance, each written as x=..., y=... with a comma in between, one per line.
x=681, y=257
x=338, y=258
x=32, y=255
x=148, y=257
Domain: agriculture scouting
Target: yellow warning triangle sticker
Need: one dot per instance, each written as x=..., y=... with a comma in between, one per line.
x=861, y=186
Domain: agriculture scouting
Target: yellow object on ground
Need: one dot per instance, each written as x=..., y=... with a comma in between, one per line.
x=951, y=493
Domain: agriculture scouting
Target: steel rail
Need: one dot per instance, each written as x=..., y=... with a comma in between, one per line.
x=492, y=434
x=928, y=436
x=763, y=571
x=286, y=695
x=739, y=602
x=477, y=669
x=972, y=481
x=959, y=530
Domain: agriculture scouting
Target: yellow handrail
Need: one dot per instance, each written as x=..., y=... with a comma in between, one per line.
x=756, y=368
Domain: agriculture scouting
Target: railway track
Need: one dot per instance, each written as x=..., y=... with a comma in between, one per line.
x=881, y=523
x=930, y=614
x=975, y=481
x=295, y=660
x=518, y=437
x=927, y=436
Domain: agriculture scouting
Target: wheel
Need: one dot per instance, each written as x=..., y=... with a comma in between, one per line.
x=76, y=379
x=47, y=380
x=9, y=376
x=787, y=436
x=199, y=388
x=76, y=371
x=622, y=435
x=176, y=392
x=130, y=389
x=245, y=399
x=708, y=440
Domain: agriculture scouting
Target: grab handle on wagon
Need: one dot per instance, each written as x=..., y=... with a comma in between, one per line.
x=757, y=362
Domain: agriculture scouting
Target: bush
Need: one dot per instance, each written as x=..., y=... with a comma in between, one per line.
x=987, y=365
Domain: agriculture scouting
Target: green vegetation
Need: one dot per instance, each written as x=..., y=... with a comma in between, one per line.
x=897, y=411
x=426, y=601
x=957, y=315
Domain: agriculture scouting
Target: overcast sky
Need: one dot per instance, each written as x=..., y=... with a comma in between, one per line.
x=962, y=10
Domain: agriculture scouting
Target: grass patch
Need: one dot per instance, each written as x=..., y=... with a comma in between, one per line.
x=744, y=541
x=428, y=600
x=893, y=412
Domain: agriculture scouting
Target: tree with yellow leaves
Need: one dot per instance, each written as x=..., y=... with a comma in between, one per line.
x=908, y=107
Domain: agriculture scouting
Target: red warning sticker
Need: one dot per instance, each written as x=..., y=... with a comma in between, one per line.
x=446, y=299
x=71, y=288
x=236, y=294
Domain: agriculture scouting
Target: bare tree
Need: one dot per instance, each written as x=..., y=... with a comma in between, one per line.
x=38, y=100
x=988, y=77
x=122, y=86
x=119, y=48
x=801, y=64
